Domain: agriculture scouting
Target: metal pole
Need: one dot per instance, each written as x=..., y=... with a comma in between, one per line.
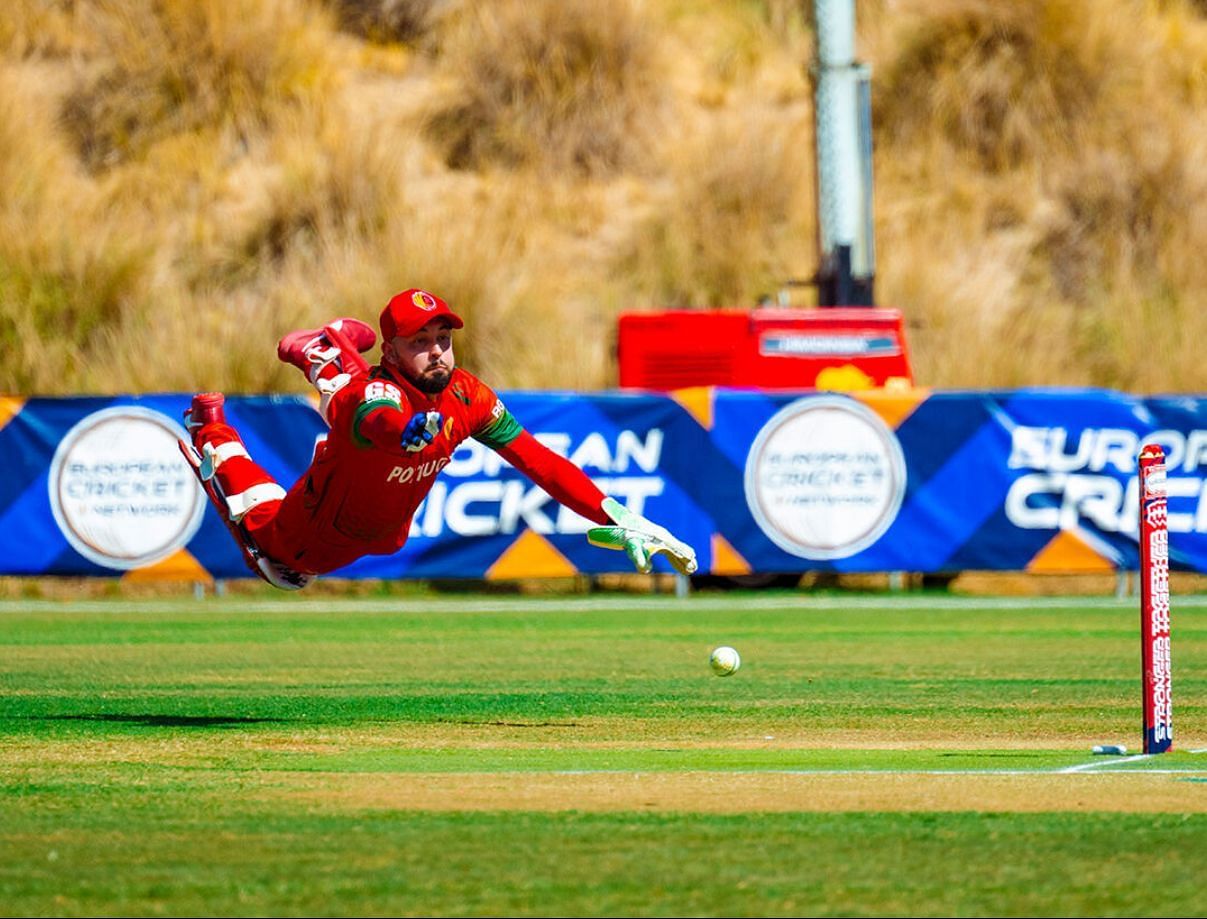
x=844, y=170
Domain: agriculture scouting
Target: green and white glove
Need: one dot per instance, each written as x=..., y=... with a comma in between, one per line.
x=641, y=539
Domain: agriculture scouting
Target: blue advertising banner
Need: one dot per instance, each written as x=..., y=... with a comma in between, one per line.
x=1034, y=480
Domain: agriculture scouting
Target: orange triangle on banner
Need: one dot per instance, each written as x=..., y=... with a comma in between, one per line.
x=10, y=406
x=725, y=558
x=698, y=401
x=179, y=566
x=530, y=556
x=894, y=406
x=1067, y=552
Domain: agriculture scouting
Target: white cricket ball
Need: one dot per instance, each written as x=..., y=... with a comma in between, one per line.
x=724, y=660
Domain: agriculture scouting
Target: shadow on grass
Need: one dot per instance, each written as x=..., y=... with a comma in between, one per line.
x=163, y=721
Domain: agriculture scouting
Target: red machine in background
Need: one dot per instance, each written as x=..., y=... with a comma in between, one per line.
x=838, y=348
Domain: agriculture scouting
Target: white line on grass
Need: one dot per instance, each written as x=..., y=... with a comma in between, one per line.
x=1101, y=764
x=1123, y=761
x=1109, y=766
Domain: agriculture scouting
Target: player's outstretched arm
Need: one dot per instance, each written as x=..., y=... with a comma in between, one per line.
x=641, y=539
x=622, y=529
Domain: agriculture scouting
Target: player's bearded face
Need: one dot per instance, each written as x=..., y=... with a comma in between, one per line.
x=425, y=358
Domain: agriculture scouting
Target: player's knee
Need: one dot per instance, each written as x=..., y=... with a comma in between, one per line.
x=258, y=517
x=244, y=484
x=259, y=497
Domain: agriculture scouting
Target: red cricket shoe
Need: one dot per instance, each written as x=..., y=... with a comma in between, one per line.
x=312, y=350
x=206, y=409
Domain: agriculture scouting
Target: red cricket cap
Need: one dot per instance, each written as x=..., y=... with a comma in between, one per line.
x=411, y=310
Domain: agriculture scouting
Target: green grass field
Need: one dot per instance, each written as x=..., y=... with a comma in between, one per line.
x=906, y=755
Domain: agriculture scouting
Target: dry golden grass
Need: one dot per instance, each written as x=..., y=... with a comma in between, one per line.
x=732, y=226
x=1037, y=192
x=184, y=181
x=177, y=66
x=70, y=269
x=392, y=20
x=559, y=84
x=38, y=27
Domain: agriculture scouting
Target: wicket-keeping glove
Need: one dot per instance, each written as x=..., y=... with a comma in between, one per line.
x=640, y=539
x=420, y=430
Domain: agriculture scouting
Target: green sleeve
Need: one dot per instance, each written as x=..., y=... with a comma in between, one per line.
x=362, y=412
x=500, y=432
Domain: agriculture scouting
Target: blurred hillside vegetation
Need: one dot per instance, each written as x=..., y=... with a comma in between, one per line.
x=183, y=181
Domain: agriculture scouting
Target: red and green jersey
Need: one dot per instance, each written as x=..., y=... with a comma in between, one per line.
x=362, y=489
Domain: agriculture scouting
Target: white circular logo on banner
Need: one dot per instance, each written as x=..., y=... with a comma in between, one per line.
x=825, y=478
x=120, y=490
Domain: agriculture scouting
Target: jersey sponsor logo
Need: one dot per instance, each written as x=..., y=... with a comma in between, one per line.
x=405, y=475
x=379, y=390
x=497, y=411
x=423, y=300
